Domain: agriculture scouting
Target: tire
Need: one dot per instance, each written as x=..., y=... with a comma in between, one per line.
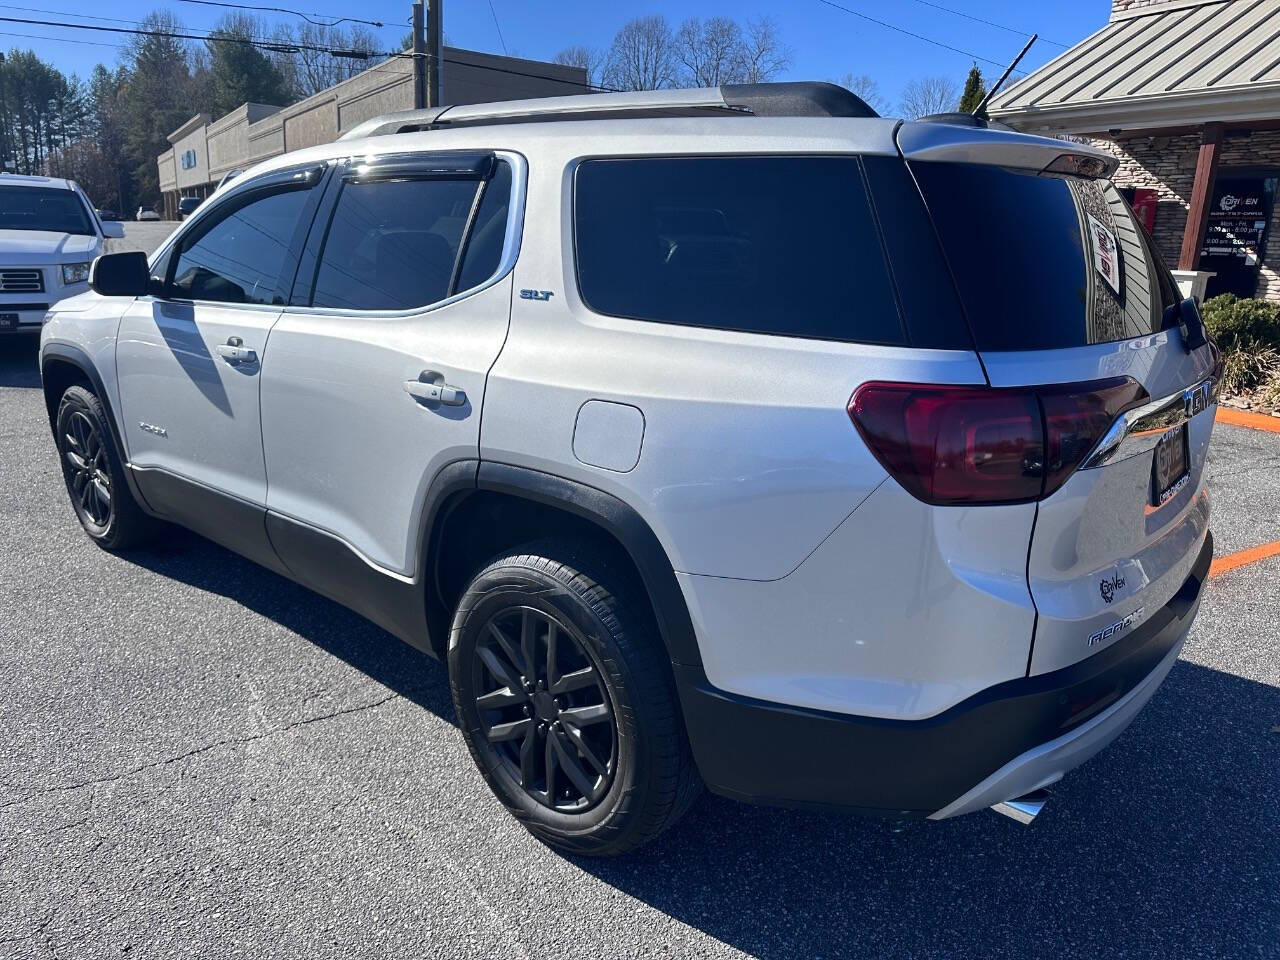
x=94, y=474
x=617, y=717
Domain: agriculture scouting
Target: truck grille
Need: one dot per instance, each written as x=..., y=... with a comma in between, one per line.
x=21, y=281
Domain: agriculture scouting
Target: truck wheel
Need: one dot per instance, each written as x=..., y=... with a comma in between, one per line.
x=566, y=701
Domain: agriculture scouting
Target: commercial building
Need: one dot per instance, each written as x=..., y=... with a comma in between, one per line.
x=204, y=150
x=1186, y=93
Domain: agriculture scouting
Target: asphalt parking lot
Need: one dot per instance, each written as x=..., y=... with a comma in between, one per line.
x=200, y=759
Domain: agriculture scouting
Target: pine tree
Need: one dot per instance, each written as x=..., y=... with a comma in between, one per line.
x=974, y=91
x=239, y=72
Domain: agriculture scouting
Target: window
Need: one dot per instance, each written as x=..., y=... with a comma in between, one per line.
x=778, y=245
x=43, y=208
x=239, y=256
x=394, y=244
x=484, y=246
x=1045, y=262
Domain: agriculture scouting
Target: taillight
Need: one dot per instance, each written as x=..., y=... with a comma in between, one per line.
x=982, y=445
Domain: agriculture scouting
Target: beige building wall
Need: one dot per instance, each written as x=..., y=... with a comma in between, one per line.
x=229, y=137
x=191, y=152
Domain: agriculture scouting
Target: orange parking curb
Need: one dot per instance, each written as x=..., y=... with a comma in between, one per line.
x=1242, y=558
x=1243, y=418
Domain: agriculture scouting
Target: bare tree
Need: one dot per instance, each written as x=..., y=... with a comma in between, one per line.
x=311, y=71
x=588, y=58
x=867, y=89
x=762, y=55
x=929, y=95
x=641, y=57
x=708, y=53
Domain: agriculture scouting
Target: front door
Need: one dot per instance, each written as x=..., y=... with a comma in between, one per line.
x=189, y=359
x=375, y=377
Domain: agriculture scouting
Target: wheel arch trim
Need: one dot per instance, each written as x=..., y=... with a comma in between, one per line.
x=76, y=357
x=621, y=522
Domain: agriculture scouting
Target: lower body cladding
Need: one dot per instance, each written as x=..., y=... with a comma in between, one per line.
x=995, y=746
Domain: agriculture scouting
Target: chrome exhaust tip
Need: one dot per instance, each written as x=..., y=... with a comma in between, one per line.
x=1025, y=808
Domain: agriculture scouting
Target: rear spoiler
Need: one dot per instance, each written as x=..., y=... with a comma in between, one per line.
x=935, y=141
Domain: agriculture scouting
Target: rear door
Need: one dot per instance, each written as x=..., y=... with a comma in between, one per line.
x=1061, y=285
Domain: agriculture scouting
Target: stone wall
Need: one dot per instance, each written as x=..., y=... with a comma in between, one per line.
x=1168, y=165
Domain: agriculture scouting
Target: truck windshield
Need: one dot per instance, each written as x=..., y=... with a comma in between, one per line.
x=43, y=208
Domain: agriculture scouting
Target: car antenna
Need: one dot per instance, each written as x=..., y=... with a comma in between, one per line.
x=980, y=108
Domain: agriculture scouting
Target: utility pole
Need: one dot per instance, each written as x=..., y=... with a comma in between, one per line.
x=419, y=58
x=4, y=121
x=435, y=50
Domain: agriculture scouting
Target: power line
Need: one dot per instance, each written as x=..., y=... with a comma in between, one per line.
x=136, y=23
x=287, y=47
x=297, y=13
x=62, y=13
x=918, y=36
x=278, y=47
x=36, y=36
x=990, y=23
x=497, y=26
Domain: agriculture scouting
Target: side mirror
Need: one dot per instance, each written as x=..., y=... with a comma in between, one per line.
x=120, y=274
x=113, y=229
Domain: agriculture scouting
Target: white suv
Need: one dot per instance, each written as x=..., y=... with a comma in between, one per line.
x=732, y=436
x=49, y=235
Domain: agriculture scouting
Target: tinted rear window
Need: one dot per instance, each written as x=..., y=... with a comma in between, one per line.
x=777, y=245
x=1045, y=262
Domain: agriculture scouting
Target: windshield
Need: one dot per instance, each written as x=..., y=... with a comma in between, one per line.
x=43, y=208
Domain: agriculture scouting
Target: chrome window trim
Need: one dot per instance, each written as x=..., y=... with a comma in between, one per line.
x=1137, y=431
x=506, y=263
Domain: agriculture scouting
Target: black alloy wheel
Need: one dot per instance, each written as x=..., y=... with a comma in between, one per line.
x=545, y=708
x=88, y=475
x=566, y=698
x=95, y=474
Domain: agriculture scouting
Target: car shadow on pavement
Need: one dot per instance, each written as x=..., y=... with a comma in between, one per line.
x=19, y=359
x=191, y=559
x=1167, y=844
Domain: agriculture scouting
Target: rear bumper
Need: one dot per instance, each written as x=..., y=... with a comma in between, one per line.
x=998, y=744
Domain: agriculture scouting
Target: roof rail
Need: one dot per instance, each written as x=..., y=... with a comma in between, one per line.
x=743, y=99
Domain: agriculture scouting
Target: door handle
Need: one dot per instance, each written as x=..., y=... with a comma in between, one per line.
x=431, y=388
x=235, y=352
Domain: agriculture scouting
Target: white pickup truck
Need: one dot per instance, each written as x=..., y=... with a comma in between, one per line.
x=49, y=236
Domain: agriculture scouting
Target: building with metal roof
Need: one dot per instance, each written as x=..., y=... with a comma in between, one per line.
x=1187, y=94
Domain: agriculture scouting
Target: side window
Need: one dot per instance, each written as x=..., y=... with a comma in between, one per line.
x=393, y=244
x=238, y=255
x=484, y=245
x=777, y=245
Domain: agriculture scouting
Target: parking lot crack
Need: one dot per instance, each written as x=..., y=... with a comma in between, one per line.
x=205, y=748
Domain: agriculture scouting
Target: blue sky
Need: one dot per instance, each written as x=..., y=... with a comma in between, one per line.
x=825, y=42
